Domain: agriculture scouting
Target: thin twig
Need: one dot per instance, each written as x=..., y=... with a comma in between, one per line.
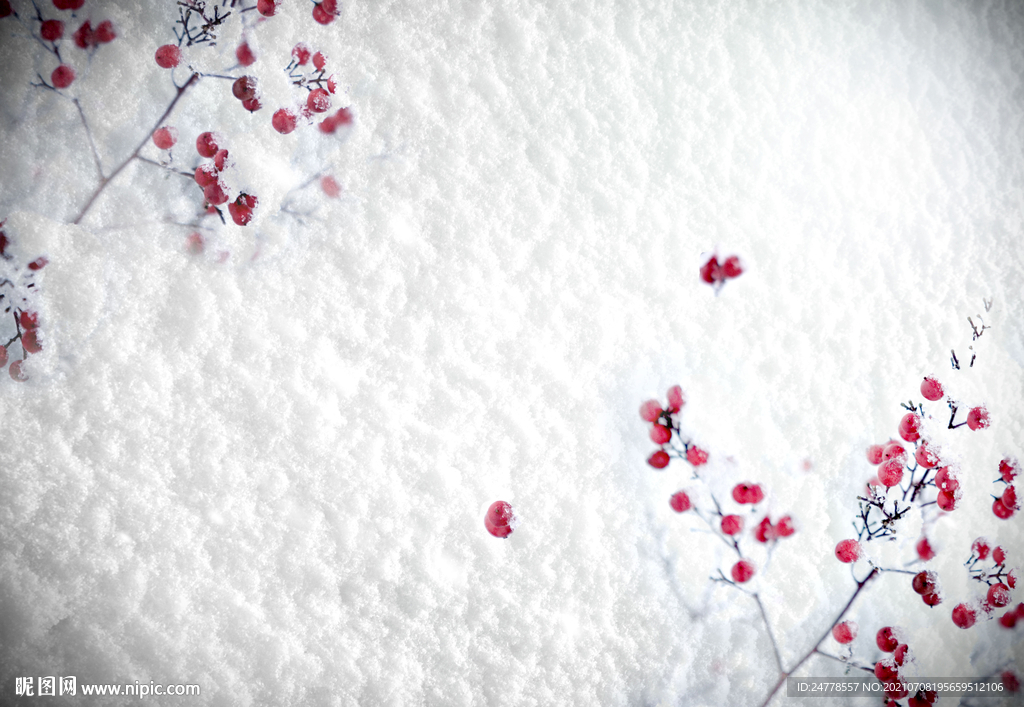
x=182, y=172
x=768, y=629
x=88, y=133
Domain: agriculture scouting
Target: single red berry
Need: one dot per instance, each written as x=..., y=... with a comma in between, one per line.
x=330, y=5
x=890, y=473
x=68, y=4
x=660, y=434
x=931, y=389
x=946, y=480
x=252, y=104
x=3, y=355
x=321, y=15
x=267, y=8
x=1000, y=510
x=909, y=427
x=220, y=160
x=244, y=54
x=732, y=267
x=38, y=264
x=900, y=654
x=168, y=56
x=301, y=53
x=205, y=175
x=893, y=450
x=1007, y=620
x=659, y=460
x=650, y=411
x=732, y=524
x=1009, y=498
x=896, y=690
x=247, y=200
x=680, y=502
x=5, y=9
x=999, y=554
x=30, y=341
x=764, y=531
x=924, y=582
x=244, y=88
x=848, y=550
x=105, y=32
x=206, y=144
x=319, y=60
x=500, y=520
x=84, y=36
x=332, y=84
x=875, y=454
x=29, y=320
x=886, y=639
x=63, y=76
x=283, y=121
x=1008, y=469
x=885, y=670
x=240, y=214
x=675, y=399
x=925, y=456
x=165, y=137
x=964, y=616
x=946, y=501
x=329, y=185
x=998, y=595
x=977, y=418
x=318, y=100
x=1010, y=681
x=924, y=549
x=845, y=632
x=711, y=271
x=215, y=193
x=742, y=571
x=784, y=528
x=981, y=547
x=1011, y=579
x=696, y=456
x=16, y=372
x=933, y=599
x=51, y=30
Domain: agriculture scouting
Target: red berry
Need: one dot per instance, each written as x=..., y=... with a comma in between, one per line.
x=909, y=427
x=1008, y=469
x=105, y=32
x=680, y=502
x=711, y=272
x=240, y=214
x=742, y=571
x=68, y=4
x=1011, y=579
x=1000, y=510
x=5, y=9
x=875, y=453
x=30, y=342
x=659, y=460
x=267, y=8
x=891, y=472
x=893, y=450
x=946, y=501
x=964, y=616
x=732, y=267
x=980, y=547
x=885, y=670
x=1010, y=681
x=998, y=595
x=215, y=193
x=764, y=532
x=732, y=524
x=784, y=528
x=925, y=456
x=16, y=372
x=924, y=549
x=319, y=60
x=977, y=418
x=165, y=137
x=206, y=144
x=696, y=456
x=945, y=480
x=3, y=355
x=321, y=15
x=318, y=100
x=220, y=160
x=205, y=175
x=63, y=76
x=886, y=639
x=247, y=200
x=675, y=398
x=650, y=411
x=244, y=88
x=1007, y=620
x=330, y=6
x=244, y=54
x=933, y=599
x=283, y=121
x=844, y=632
x=660, y=434
x=51, y=30
x=168, y=56
x=848, y=550
x=332, y=84
x=252, y=104
x=931, y=389
x=1009, y=498
x=195, y=243
x=500, y=520
x=301, y=53
x=901, y=653
x=896, y=690
x=29, y=320
x=330, y=187
x=84, y=36
x=999, y=555
x=924, y=582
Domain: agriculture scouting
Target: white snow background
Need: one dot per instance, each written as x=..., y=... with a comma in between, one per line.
x=268, y=475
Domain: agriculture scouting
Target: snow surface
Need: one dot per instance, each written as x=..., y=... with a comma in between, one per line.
x=268, y=475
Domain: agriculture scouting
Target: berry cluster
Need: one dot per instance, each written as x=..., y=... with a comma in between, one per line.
x=889, y=670
x=15, y=286
x=926, y=583
x=999, y=582
x=319, y=86
x=716, y=274
x=209, y=176
x=1006, y=503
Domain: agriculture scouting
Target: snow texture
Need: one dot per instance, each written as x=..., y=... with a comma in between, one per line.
x=264, y=469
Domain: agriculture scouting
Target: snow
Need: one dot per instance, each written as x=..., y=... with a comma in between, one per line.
x=264, y=469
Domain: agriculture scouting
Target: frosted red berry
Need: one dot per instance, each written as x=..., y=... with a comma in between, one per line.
x=844, y=632
x=981, y=547
x=650, y=410
x=998, y=595
x=319, y=61
x=874, y=453
x=1009, y=498
x=932, y=599
x=84, y=37
x=977, y=418
x=252, y=104
x=318, y=100
x=660, y=434
x=283, y=121
x=38, y=263
x=51, y=30
x=659, y=460
x=675, y=399
x=1008, y=469
x=321, y=15
x=240, y=213
x=924, y=549
x=680, y=502
x=301, y=53
x=165, y=137
x=245, y=55
x=886, y=639
x=893, y=450
x=946, y=501
x=909, y=427
x=946, y=480
x=267, y=8
x=785, y=527
x=28, y=320
x=848, y=550
x=105, y=32
x=63, y=76
x=205, y=175
x=925, y=456
x=931, y=389
x=168, y=56
x=885, y=670
x=30, y=341
x=206, y=144
x=925, y=582
x=500, y=519
x=215, y=193
x=732, y=267
x=999, y=555
x=732, y=524
x=1000, y=510
x=964, y=616
x=244, y=88
x=890, y=473
x=696, y=456
x=220, y=160
x=711, y=271
x=764, y=531
x=15, y=371
x=900, y=654
x=329, y=185
x=742, y=571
